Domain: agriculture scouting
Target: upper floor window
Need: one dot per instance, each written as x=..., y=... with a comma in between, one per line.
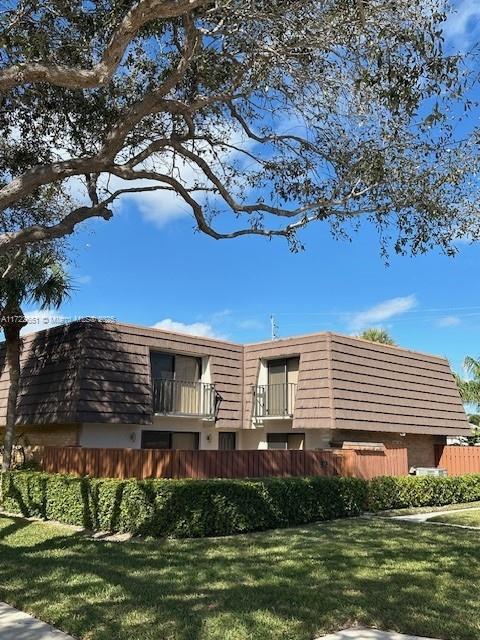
x=277, y=397
x=177, y=386
x=167, y=366
x=283, y=371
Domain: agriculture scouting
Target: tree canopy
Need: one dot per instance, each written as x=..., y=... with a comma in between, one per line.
x=377, y=335
x=469, y=387
x=262, y=116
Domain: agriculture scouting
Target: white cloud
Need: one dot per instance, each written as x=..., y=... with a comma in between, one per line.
x=381, y=312
x=39, y=319
x=195, y=328
x=221, y=315
x=83, y=279
x=448, y=321
x=462, y=25
x=251, y=323
x=157, y=207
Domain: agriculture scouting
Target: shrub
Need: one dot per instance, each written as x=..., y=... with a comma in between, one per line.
x=421, y=491
x=182, y=508
x=197, y=508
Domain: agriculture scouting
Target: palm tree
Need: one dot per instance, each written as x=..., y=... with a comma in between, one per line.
x=469, y=389
x=377, y=335
x=38, y=277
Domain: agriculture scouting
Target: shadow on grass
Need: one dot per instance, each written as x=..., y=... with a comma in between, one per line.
x=15, y=525
x=291, y=584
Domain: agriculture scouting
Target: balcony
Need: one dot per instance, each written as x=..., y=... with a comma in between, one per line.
x=274, y=400
x=181, y=398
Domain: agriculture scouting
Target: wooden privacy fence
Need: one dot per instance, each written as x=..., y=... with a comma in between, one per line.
x=393, y=461
x=158, y=463
x=457, y=459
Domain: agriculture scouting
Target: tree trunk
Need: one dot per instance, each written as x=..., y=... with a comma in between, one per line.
x=13, y=346
x=13, y=342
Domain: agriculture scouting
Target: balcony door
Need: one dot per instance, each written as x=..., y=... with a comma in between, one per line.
x=187, y=373
x=282, y=380
x=179, y=390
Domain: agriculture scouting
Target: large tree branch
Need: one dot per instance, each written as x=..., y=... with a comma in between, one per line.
x=152, y=102
x=142, y=12
x=288, y=231
x=238, y=207
x=274, y=138
x=66, y=226
x=25, y=184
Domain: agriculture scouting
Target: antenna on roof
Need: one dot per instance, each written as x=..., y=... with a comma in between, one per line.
x=274, y=326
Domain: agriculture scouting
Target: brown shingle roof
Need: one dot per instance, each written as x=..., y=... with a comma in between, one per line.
x=100, y=372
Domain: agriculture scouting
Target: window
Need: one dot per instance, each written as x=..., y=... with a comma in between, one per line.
x=277, y=440
x=156, y=440
x=166, y=366
x=282, y=380
x=176, y=383
x=185, y=440
x=285, y=440
x=283, y=371
x=227, y=440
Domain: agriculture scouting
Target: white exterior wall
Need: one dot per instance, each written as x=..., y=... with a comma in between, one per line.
x=256, y=438
x=129, y=436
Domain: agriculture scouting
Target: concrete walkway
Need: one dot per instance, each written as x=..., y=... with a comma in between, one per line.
x=369, y=634
x=15, y=625
x=425, y=517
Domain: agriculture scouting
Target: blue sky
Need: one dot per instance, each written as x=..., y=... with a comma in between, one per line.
x=147, y=266
x=139, y=272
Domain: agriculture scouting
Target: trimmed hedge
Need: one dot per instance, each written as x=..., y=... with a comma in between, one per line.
x=421, y=491
x=197, y=508
x=182, y=508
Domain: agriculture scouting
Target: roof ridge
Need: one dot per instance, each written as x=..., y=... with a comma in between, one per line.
x=338, y=334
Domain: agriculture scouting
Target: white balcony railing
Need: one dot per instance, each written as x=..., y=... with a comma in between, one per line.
x=274, y=400
x=183, y=398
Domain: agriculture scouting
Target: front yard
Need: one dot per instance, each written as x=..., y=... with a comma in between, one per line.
x=468, y=517
x=293, y=584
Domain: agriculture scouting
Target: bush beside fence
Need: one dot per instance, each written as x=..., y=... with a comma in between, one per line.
x=197, y=508
x=182, y=508
x=421, y=491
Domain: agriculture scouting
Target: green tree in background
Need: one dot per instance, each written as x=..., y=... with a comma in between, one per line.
x=377, y=335
x=469, y=389
x=260, y=117
x=36, y=276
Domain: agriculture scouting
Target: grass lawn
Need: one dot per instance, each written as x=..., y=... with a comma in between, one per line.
x=469, y=518
x=292, y=584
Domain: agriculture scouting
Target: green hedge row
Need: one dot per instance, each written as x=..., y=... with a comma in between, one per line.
x=423, y=491
x=196, y=508
x=182, y=508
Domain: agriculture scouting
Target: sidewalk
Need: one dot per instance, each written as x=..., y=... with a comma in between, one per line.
x=369, y=634
x=15, y=625
x=426, y=516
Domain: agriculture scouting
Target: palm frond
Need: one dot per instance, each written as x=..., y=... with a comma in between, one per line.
x=472, y=367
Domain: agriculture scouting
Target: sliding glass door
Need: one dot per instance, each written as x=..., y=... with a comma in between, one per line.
x=282, y=381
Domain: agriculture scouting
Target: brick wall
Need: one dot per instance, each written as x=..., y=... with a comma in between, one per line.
x=420, y=447
x=48, y=435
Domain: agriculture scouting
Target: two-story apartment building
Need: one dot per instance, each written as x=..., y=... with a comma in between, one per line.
x=96, y=384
